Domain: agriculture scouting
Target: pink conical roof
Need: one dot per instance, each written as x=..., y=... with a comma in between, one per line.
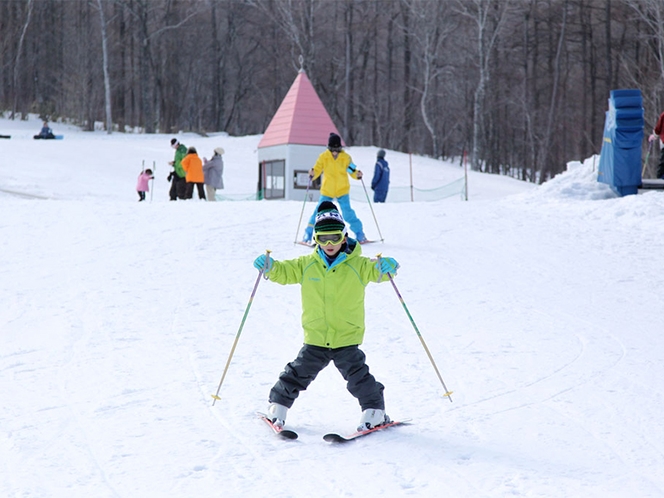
x=301, y=118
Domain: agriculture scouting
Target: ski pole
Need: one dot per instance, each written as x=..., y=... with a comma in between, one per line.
x=237, y=336
x=448, y=393
x=306, y=194
x=372, y=211
x=645, y=163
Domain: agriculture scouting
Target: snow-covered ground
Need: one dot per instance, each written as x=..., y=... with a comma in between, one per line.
x=542, y=307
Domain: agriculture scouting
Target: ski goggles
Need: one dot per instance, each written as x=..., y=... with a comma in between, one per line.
x=329, y=238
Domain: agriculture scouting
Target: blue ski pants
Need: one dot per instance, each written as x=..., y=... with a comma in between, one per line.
x=346, y=211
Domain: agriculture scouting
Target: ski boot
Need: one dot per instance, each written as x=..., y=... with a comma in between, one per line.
x=277, y=414
x=371, y=418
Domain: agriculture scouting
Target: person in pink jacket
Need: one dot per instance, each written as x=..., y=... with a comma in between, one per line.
x=143, y=185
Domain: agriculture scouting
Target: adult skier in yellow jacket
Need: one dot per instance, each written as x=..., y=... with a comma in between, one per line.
x=336, y=165
x=333, y=280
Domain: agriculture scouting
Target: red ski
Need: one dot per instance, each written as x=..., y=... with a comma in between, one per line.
x=279, y=431
x=338, y=438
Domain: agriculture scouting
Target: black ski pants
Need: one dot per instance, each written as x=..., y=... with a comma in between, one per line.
x=660, y=166
x=190, y=190
x=350, y=361
x=178, y=187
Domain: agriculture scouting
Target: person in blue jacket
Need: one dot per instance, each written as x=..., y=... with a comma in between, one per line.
x=381, y=179
x=45, y=132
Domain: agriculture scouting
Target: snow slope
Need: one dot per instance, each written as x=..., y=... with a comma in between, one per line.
x=540, y=305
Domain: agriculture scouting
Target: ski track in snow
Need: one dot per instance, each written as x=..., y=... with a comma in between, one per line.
x=541, y=310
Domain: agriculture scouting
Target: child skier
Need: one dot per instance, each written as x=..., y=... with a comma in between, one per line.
x=333, y=279
x=142, y=185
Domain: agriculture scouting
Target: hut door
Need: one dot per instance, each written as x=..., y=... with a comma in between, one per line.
x=274, y=179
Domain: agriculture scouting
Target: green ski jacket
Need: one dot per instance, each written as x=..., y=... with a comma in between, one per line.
x=332, y=297
x=180, y=153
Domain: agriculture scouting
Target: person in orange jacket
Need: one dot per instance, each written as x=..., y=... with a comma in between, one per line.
x=193, y=167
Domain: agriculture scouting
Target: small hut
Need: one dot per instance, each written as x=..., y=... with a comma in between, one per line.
x=292, y=142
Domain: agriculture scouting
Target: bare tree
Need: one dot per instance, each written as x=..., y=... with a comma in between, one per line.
x=432, y=26
x=651, y=14
x=296, y=19
x=544, y=169
x=107, y=80
x=489, y=17
x=19, y=51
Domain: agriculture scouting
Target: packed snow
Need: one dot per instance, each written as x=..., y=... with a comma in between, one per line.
x=541, y=307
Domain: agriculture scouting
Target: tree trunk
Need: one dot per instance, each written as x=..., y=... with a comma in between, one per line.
x=107, y=79
x=17, y=63
x=546, y=146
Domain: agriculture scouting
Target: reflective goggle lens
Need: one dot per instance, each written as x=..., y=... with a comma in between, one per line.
x=327, y=238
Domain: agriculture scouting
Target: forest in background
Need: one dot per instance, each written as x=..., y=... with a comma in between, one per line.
x=522, y=86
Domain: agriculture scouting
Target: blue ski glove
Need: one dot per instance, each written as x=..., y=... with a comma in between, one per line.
x=259, y=263
x=387, y=265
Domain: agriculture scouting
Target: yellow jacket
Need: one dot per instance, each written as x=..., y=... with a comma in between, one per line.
x=335, y=173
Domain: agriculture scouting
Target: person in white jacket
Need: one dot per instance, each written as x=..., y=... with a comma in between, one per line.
x=213, y=171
